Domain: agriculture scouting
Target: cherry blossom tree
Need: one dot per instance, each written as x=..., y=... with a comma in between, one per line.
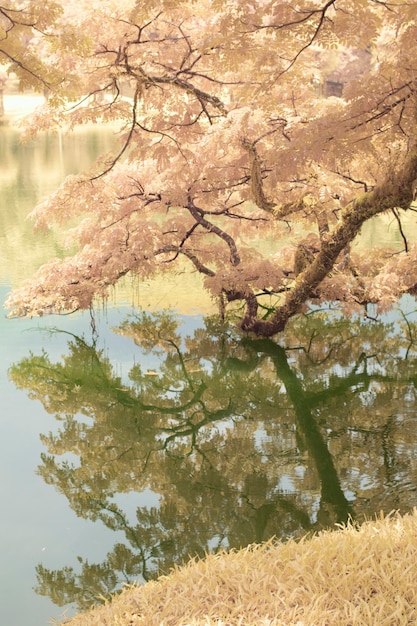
x=243, y=123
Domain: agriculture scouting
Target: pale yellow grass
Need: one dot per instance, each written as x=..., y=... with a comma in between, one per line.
x=348, y=577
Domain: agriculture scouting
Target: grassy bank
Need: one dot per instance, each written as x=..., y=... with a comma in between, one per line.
x=364, y=576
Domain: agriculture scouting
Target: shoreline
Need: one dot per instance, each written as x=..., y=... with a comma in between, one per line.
x=351, y=576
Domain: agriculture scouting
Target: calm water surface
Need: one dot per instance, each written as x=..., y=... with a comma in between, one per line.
x=130, y=441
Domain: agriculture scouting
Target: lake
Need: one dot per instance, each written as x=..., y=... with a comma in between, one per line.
x=134, y=438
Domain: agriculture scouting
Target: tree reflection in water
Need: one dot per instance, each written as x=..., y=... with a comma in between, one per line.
x=241, y=439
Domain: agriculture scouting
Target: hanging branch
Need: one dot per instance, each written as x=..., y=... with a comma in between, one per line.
x=400, y=228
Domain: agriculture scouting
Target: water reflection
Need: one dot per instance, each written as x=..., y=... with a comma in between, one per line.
x=238, y=439
x=29, y=172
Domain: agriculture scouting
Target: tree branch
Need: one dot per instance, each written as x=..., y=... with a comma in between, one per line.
x=190, y=255
x=198, y=215
x=386, y=196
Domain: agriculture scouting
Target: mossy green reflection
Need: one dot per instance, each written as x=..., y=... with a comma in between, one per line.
x=241, y=439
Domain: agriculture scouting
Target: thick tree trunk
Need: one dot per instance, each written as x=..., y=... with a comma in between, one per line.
x=395, y=192
x=333, y=500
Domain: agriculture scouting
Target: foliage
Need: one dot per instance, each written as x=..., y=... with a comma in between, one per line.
x=241, y=123
x=351, y=577
x=238, y=440
x=25, y=27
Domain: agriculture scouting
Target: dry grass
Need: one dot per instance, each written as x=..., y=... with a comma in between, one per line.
x=349, y=577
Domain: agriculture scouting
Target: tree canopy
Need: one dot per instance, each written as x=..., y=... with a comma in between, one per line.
x=256, y=139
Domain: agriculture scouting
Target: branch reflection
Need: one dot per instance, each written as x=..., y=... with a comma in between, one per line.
x=240, y=439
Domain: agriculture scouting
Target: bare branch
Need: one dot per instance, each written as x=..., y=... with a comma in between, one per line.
x=400, y=227
x=190, y=255
x=198, y=215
